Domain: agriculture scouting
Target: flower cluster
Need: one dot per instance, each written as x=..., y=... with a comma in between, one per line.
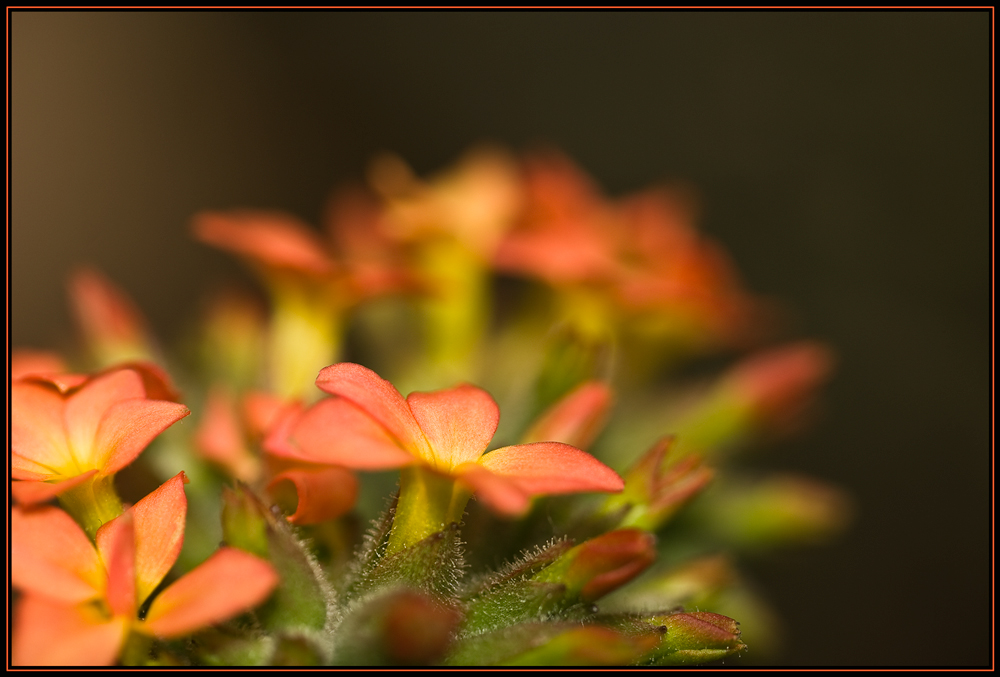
x=560, y=543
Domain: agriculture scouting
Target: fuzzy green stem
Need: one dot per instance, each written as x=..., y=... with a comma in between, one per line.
x=428, y=502
x=93, y=503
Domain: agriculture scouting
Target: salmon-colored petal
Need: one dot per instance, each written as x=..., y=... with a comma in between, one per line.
x=155, y=380
x=261, y=410
x=334, y=431
x=576, y=419
x=37, y=429
x=86, y=408
x=159, y=534
x=551, y=468
x=64, y=383
x=227, y=583
x=324, y=492
x=128, y=427
x=502, y=495
x=25, y=362
x=107, y=316
x=119, y=546
x=52, y=556
x=459, y=423
x=31, y=492
x=379, y=399
x=220, y=438
x=271, y=238
x=50, y=633
x=558, y=255
x=22, y=468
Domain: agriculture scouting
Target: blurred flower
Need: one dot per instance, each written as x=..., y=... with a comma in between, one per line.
x=576, y=419
x=81, y=602
x=777, y=387
x=114, y=330
x=475, y=203
x=220, y=437
x=310, y=288
x=640, y=258
x=778, y=510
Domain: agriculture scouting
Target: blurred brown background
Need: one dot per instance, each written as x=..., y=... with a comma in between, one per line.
x=843, y=158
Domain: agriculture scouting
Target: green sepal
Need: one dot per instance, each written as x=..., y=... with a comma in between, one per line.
x=433, y=565
x=554, y=643
x=510, y=595
x=303, y=599
x=686, y=638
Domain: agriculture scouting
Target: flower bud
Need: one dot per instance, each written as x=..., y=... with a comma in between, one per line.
x=779, y=510
x=655, y=489
x=402, y=627
x=113, y=328
x=695, y=637
x=596, y=567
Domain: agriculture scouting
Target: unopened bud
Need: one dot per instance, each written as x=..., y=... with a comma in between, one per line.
x=596, y=567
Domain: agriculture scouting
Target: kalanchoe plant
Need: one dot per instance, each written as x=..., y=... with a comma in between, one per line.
x=544, y=538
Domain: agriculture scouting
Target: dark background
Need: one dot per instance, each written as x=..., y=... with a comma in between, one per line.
x=843, y=158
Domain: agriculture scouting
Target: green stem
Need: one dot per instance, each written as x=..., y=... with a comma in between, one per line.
x=305, y=337
x=428, y=502
x=93, y=503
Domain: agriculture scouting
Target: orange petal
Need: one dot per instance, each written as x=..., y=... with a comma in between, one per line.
x=49, y=633
x=30, y=492
x=501, y=494
x=551, y=468
x=220, y=437
x=51, y=555
x=155, y=380
x=86, y=408
x=128, y=427
x=273, y=239
x=379, y=399
x=459, y=423
x=105, y=313
x=26, y=362
x=334, y=431
x=576, y=419
x=61, y=382
x=324, y=492
x=261, y=410
x=23, y=469
x=159, y=534
x=227, y=583
x=119, y=551
x=37, y=431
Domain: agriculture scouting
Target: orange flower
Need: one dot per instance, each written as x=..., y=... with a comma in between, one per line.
x=370, y=426
x=113, y=328
x=310, y=287
x=80, y=602
x=474, y=203
x=641, y=255
x=66, y=429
